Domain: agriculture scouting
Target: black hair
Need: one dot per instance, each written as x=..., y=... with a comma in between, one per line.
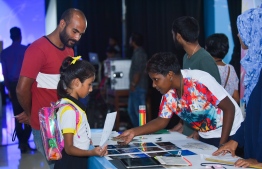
x=217, y=45
x=68, y=14
x=81, y=69
x=187, y=27
x=137, y=38
x=15, y=33
x=162, y=63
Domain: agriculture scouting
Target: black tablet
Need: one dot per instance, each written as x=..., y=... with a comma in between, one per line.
x=140, y=162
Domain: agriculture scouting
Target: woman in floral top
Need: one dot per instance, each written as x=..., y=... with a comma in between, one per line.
x=194, y=96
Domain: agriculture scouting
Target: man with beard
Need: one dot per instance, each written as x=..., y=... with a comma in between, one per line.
x=39, y=75
x=185, y=31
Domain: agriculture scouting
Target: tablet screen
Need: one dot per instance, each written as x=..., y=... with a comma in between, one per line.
x=140, y=162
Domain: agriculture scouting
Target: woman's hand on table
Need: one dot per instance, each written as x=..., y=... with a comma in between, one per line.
x=230, y=146
x=126, y=137
x=248, y=163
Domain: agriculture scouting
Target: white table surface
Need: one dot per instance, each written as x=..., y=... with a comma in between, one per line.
x=178, y=139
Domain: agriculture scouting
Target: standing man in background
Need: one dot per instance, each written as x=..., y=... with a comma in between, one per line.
x=40, y=71
x=185, y=31
x=12, y=59
x=137, y=78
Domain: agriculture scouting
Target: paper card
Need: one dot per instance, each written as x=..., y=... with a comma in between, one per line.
x=125, y=146
x=121, y=140
x=173, y=161
x=150, y=149
x=128, y=150
x=183, y=153
x=108, y=126
x=113, y=151
x=114, y=157
x=140, y=155
x=164, y=143
x=164, y=153
x=198, y=145
x=226, y=158
x=111, y=147
x=170, y=147
x=144, y=144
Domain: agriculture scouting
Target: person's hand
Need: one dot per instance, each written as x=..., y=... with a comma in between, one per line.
x=230, y=146
x=178, y=128
x=247, y=163
x=99, y=151
x=23, y=118
x=126, y=137
x=194, y=135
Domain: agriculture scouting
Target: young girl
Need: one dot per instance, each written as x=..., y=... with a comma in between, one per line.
x=75, y=82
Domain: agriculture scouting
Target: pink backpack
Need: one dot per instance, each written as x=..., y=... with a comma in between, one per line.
x=52, y=142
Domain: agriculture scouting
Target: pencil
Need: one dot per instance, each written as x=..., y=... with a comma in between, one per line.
x=190, y=164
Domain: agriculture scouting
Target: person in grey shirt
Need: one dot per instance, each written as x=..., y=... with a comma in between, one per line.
x=137, y=77
x=185, y=31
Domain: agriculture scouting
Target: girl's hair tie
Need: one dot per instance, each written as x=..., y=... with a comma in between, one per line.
x=75, y=59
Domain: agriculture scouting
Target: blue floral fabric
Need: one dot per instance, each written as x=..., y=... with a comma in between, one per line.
x=249, y=26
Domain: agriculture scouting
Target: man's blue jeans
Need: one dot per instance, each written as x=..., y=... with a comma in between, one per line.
x=40, y=147
x=136, y=98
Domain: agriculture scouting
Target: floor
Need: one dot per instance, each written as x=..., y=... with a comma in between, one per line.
x=11, y=158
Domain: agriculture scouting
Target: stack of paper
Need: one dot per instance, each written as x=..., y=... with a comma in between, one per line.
x=173, y=160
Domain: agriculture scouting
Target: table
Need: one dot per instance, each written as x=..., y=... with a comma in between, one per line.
x=179, y=139
x=118, y=98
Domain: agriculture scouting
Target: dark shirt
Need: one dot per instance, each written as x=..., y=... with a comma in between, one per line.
x=202, y=60
x=138, y=65
x=12, y=59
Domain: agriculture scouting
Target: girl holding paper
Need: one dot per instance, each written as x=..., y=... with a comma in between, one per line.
x=75, y=82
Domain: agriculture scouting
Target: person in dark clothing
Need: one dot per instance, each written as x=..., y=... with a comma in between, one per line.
x=137, y=77
x=249, y=135
x=12, y=59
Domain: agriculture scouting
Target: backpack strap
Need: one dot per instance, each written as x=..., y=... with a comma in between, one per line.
x=58, y=105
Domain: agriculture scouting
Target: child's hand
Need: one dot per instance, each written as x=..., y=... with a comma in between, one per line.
x=98, y=151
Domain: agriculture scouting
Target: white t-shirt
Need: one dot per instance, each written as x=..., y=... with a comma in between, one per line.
x=67, y=124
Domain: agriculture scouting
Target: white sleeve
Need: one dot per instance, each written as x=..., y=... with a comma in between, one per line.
x=213, y=86
x=67, y=120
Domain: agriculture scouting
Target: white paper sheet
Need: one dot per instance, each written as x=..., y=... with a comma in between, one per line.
x=108, y=127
